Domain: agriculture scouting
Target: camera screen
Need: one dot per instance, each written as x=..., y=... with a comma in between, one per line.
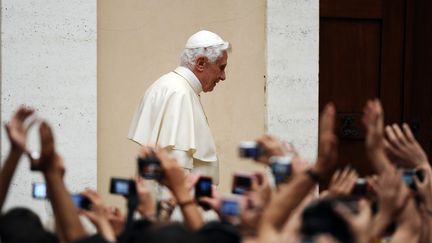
x=203, y=187
x=241, y=184
x=230, y=208
x=122, y=187
x=39, y=190
x=81, y=202
x=150, y=168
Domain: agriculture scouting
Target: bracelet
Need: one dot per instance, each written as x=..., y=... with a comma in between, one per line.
x=313, y=175
x=186, y=203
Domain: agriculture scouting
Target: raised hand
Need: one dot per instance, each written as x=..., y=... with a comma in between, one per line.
x=99, y=215
x=373, y=119
x=402, y=145
x=16, y=129
x=327, y=144
x=272, y=147
x=147, y=204
x=49, y=161
x=342, y=182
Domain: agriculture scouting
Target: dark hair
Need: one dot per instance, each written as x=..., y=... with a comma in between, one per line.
x=23, y=225
x=321, y=218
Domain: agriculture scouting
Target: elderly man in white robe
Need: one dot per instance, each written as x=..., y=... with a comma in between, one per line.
x=170, y=113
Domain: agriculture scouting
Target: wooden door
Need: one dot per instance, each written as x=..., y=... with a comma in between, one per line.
x=361, y=57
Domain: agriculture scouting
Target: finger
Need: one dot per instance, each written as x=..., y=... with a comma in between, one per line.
x=392, y=138
x=409, y=135
x=47, y=139
x=400, y=136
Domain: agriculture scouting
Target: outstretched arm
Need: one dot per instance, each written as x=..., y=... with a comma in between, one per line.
x=291, y=194
x=51, y=165
x=17, y=135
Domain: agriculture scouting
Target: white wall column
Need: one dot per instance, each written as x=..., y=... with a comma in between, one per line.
x=49, y=63
x=292, y=72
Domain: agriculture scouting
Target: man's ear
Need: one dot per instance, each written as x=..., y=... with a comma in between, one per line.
x=200, y=63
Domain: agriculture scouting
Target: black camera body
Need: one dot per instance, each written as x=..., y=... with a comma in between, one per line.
x=241, y=183
x=250, y=149
x=281, y=168
x=81, y=201
x=124, y=187
x=203, y=188
x=150, y=168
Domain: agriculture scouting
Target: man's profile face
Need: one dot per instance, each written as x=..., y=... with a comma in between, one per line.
x=213, y=73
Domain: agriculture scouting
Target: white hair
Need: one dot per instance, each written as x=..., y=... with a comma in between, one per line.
x=190, y=55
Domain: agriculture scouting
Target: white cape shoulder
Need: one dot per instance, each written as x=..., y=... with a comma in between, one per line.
x=170, y=114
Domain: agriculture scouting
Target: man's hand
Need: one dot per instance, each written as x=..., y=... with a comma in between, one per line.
x=99, y=215
x=272, y=147
x=147, y=204
x=49, y=162
x=17, y=130
x=373, y=120
x=327, y=144
x=342, y=182
x=402, y=145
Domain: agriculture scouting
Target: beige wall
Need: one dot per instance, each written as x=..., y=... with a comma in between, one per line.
x=140, y=40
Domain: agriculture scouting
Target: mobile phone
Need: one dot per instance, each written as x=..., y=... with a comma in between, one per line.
x=241, y=183
x=250, y=149
x=281, y=168
x=360, y=187
x=80, y=201
x=39, y=190
x=203, y=188
x=122, y=186
x=150, y=168
x=230, y=207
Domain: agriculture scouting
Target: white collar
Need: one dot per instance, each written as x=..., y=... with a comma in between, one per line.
x=193, y=81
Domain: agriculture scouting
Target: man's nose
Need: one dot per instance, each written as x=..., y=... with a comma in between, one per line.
x=222, y=76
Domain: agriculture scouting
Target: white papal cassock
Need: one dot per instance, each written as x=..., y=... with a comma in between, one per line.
x=170, y=115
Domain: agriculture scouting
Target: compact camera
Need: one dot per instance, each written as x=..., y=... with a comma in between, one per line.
x=150, y=168
x=203, y=188
x=122, y=186
x=230, y=207
x=241, y=183
x=250, y=149
x=281, y=168
x=81, y=201
x=408, y=177
x=360, y=188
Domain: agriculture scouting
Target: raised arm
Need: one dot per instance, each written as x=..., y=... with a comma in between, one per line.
x=51, y=165
x=17, y=135
x=291, y=194
x=175, y=180
x=373, y=119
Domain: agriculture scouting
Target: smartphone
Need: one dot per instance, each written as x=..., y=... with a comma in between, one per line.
x=39, y=190
x=203, y=188
x=250, y=149
x=281, y=168
x=360, y=187
x=122, y=186
x=81, y=201
x=241, y=183
x=150, y=168
x=230, y=207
